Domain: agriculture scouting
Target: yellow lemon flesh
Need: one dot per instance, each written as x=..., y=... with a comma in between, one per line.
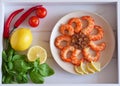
x=37, y=52
x=89, y=67
x=79, y=70
x=84, y=68
x=95, y=66
x=21, y=39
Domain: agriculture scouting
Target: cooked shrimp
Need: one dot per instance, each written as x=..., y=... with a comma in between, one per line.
x=98, y=47
x=75, y=60
x=76, y=23
x=66, y=29
x=90, y=24
x=89, y=57
x=62, y=41
x=99, y=34
x=64, y=53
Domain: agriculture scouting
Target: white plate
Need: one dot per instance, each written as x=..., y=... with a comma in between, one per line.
x=106, y=55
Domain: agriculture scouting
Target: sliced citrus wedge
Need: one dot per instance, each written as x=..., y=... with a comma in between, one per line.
x=78, y=70
x=89, y=68
x=84, y=68
x=37, y=52
x=95, y=66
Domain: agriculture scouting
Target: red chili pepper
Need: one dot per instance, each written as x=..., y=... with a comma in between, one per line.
x=7, y=23
x=25, y=15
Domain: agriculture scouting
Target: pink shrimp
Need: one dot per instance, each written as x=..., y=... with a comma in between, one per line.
x=98, y=47
x=90, y=58
x=76, y=23
x=59, y=41
x=89, y=26
x=75, y=60
x=66, y=29
x=64, y=53
x=99, y=34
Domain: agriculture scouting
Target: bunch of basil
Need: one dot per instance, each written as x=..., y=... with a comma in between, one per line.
x=16, y=68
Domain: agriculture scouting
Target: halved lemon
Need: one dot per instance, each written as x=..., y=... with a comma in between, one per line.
x=45, y=45
x=95, y=66
x=37, y=52
x=78, y=70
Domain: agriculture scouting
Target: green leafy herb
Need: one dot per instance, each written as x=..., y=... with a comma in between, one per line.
x=4, y=56
x=16, y=68
x=21, y=66
x=45, y=70
x=36, y=77
x=22, y=78
x=10, y=65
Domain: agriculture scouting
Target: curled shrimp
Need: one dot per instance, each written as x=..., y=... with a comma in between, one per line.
x=89, y=57
x=99, y=34
x=64, y=53
x=66, y=29
x=75, y=60
x=90, y=24
x=98, y=47
x=76, y=23
x=62, y=41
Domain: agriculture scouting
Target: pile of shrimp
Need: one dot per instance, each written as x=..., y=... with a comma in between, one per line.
x=77, y=39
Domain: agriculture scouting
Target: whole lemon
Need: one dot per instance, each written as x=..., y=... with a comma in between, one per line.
x=21, y=39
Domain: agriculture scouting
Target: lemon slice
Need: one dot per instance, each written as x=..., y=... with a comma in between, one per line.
x=89, y=68
x=95, y=66
x=78, y=70
x=37, y=52
x=84, y=68
x=45, y=45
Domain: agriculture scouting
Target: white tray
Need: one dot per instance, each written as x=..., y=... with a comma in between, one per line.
x=108, y=9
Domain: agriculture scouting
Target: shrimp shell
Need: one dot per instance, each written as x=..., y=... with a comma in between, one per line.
x=75, y=60
x=62, y=38
x=90, y=58
x=64, y=52
x=99, y=34
x=66, y=29
x=77, y=22
x=98, y=47
x=90, y=25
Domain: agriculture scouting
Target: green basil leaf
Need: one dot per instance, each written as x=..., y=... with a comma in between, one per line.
x=21, y=66
x=22, y=78
x=10, y=54
x=45, y=70
x=25, y=78
x=10, y=65
x=12, y=72
x=8, y=79
x=3, y=78
x=10, y=58
x=36, y=77
x=36, y=63
x=18, y=78
x=4, y=71
x=17, y=57
x=4, y=56
x=6, y=68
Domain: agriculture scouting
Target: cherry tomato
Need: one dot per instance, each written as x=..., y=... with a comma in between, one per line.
x=41, y=12
x=34, y=21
